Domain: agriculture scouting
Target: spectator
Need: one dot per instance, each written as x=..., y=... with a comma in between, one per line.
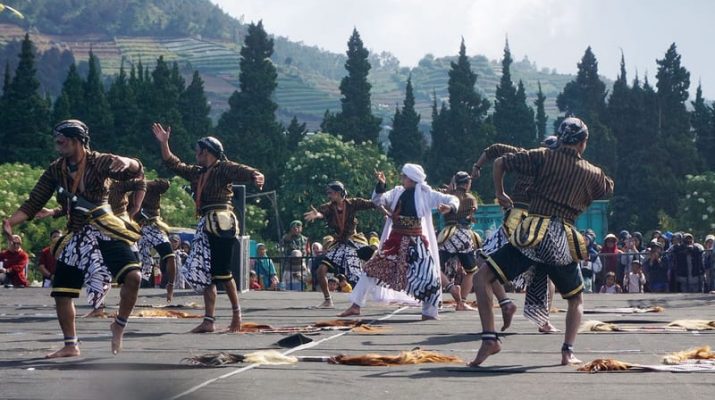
x=655, y=235
x=709, y=263
x=622, y=237
x=295, y=274
x=264, y=269
x=13, y=263
x=294, y=239
x=609, y=254
x=689, y=271
x=611, y=287
x=253, y=283
x=343, y=285
x=186, y=247
x=630, y=254
x=47, y=260
x=638, y=239
x=318, y=256
x=635, y=280
x=591, y=266
x=656, y=269
x=180, y=256
x=333, y=284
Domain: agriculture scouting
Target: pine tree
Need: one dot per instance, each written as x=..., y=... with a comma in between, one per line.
x=295, y=133
x=70, y=102
x=541, y=117
x=585, y=98
x=26, y=113
x=195, y=108
x=460, y=129
x=125, y=108
x=249, y=128
x=355, y=121
x=406, y=141
x=96, y=112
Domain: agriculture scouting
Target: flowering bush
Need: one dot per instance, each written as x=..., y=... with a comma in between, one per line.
x=697, y=209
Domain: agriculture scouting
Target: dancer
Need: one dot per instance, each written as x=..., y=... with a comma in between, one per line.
x=209, y=261
x=97, y=246
x=341, y=256
x=408, y=259
x=564, y=185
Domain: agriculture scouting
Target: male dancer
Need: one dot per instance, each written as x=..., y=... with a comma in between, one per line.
x=212, y=184
x=96, y=248
x=564, y=185
x=341, y=256
x=155, y=234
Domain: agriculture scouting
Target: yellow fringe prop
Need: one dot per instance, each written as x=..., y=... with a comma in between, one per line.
x=694, y=324
x=598, y=326
x=696, y=353
x=404, y=358
x=605, y=364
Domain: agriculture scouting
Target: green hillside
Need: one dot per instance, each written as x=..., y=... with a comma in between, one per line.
x=199, y=35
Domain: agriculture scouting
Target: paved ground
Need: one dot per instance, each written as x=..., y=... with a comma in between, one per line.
x=150, y=366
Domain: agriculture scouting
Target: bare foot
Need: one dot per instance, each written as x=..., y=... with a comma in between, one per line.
x=66, y=351
x=96, y=313
x=117, y=336
x=488, y=348
x=568, y=358
x=204, y=327
x=352, y=310
x=507, y=313
x=235, y=326
x=327, y=304
x=548, y=328
x=464, y=307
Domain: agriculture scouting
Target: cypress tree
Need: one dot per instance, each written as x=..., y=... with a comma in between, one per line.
x=295, y=133
x=195, y=108
x=250, y=129
x=95, y=111
x=70, y=102
x=406, y=141
x=355, y=121
x=541, y=117
x=26, y=113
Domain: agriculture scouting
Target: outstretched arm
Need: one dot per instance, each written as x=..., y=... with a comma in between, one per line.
x=498, y=175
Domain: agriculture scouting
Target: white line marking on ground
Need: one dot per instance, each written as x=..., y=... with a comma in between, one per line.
x=293, y=350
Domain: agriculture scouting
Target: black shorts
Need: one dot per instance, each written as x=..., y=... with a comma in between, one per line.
x=508, y=262
x=468, y=260
x=118, y=257
x=221, y=253
x=164, y=250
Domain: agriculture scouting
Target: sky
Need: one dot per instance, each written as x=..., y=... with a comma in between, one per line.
x=552, y=33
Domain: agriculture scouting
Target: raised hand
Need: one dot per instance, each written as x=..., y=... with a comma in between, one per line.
x=119, y=164
x=380, y=176
x=505, y=201
x=444, y=209
x=476, y=171
x=312, y=215
x=162, y=135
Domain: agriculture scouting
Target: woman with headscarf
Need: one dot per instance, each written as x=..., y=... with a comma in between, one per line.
x=342, y=256
x=407, y=260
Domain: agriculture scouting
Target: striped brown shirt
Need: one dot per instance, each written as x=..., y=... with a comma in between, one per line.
x=344, y=222
x=97, y=176
x=118, y=193
x=151, y=205
x=467, y=207
x=564, y=183
x=520, y=192
x=222, y=176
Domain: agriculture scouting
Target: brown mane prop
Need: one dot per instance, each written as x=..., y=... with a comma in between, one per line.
x=700, y=359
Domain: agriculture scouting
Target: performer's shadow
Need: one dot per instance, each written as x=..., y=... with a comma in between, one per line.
x=451, y=339
x=455, y=371
x=89, y=364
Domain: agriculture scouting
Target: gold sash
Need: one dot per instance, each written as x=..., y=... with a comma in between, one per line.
x=532, y=229
x=112, y=226
x=221, y=223
x=450, y=230
x=512, y=219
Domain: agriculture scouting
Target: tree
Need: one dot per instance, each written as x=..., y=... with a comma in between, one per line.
x=125, y=108
x=95, y=111
x=696, y=213
x=512, y=118
x=406, y=141
x=249, y=128
x=26, y=113
x=194, y=108
x=295, y=133
x=701, y=119
x=355, y=121
x=459, y=130
x=541, y=117
x=585, y=98
x=70, y=102
x=321, y=158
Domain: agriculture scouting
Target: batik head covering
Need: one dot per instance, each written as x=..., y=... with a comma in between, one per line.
x=73, y=129
x=462, y=177
x=572, y=131
x=213, y=146
x=337, y=186
x=551, y=142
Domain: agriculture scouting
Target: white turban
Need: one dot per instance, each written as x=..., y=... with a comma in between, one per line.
x=414, y=172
